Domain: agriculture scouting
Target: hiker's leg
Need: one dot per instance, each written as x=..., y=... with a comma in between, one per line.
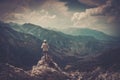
x=45, y=55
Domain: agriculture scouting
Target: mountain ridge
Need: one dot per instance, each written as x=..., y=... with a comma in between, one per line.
x=23, y=50
x=65, y=41
x=62, y=47
x=88, y=32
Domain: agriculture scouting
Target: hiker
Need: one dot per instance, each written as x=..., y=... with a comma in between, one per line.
x=45, y=47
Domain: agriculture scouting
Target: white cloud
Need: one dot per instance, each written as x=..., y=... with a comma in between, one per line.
x=91, y=12
x=56, y=6
x=41, y=17
x=88, y=13
x=93, y=18
x=55, y=14
x=88, y=18
x=49, y=14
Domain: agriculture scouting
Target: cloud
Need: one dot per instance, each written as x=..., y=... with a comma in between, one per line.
x=113, y=10
x=87, y=13
x=89, y=2
x=75, y=5
x=104, y=17
x=91, y=12
x=55, y=7
x=10, y=6
x=41, y=17
x=94, y=3
x=49, y=14
x=96, y=14
x=88, y=18
x=113, y=14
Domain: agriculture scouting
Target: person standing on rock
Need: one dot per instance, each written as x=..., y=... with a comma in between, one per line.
x=45, y=48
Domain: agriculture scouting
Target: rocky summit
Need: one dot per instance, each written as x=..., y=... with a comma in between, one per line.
x=47, y=69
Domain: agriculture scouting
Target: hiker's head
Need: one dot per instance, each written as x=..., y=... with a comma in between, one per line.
x=45, y=41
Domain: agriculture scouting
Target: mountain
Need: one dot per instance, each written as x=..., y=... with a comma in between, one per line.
x=44, y=70
x=10, y=72
x=25, y=40
x=103, y=67
x=49, y=70
x=65, y=44
x=24, y=50
x=109, y=60
x=20, y=56
x=19, y=49
x=88, y=32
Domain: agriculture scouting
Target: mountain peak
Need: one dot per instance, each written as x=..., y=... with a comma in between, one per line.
x=30, y=24
x=44, y=70
x=47, y=67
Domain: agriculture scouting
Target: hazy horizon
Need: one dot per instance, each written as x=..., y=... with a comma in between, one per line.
x=101, y=15
x=64, y=29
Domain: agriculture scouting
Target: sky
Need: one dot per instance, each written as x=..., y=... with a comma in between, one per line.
x=102, y=15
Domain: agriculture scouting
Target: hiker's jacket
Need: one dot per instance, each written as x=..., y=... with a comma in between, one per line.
x=45, y=46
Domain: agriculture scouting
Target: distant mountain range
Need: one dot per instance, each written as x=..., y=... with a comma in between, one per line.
x=22, y=50
x=20, y=45
x=64, y=43
x=88, y=32
x=18, y=49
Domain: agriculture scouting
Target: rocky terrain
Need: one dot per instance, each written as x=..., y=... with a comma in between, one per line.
x=47, y=69
x=21, y=57
x=101, y=74
x=44, y=70
x=9, y=72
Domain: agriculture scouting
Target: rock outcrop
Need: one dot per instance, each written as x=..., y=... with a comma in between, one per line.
x=47, y=69
x=101, y=74
x=9, y=72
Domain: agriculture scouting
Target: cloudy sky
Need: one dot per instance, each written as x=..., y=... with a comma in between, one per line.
x=102, y=15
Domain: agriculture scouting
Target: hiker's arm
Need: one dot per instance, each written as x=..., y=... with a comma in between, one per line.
x=42, y=46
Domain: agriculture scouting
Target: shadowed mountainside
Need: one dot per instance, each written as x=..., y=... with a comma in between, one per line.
x=49, y=70
x=66, y=44
x=44, y=70
x=109, y=60
x=17, y=48
x=24, y=50
x=89, y=32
